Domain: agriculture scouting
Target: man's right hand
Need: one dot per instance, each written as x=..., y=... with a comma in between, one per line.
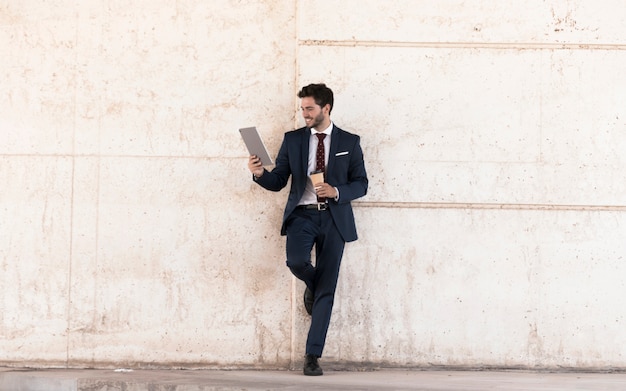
x=255, y=166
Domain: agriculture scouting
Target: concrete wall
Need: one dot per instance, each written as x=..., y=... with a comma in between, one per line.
x=492, y=235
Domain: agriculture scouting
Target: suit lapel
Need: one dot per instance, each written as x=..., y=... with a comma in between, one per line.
x=334, y=145
x=306, y=135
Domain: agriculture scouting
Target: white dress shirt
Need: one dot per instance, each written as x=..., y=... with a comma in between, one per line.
x=309, y=196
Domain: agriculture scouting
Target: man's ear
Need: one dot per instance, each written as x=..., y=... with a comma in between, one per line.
x=326, y=108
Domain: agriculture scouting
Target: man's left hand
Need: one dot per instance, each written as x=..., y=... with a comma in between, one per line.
x=325, y=190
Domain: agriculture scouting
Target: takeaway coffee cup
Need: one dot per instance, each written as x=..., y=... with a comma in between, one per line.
x=317, y=177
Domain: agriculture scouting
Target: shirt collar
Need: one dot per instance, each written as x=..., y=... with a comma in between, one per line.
x=326, y=131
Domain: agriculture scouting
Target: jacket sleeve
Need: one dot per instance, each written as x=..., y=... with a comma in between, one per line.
x=276, y=179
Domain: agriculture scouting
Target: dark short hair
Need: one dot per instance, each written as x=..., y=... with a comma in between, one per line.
x=320, y=93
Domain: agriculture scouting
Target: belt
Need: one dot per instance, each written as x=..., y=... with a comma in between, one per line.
x=321, y=206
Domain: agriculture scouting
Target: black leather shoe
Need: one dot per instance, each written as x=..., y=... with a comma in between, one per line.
x=311, y=366
x=309, y=298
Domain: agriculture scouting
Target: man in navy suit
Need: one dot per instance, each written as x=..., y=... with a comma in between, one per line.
x=318, y=213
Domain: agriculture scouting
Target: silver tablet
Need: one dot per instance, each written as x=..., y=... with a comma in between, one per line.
x=255, y=145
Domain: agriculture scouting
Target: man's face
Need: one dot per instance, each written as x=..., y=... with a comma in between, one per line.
x=312, y=113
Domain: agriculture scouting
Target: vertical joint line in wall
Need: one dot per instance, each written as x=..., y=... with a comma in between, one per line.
x=96, y=240
x=296, y=64
x=68, y=312
x=292, y=330
x=541, y=80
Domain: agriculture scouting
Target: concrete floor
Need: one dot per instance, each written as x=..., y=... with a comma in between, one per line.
x=14, y=379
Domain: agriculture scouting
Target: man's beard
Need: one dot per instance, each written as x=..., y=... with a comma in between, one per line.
x=316, y=121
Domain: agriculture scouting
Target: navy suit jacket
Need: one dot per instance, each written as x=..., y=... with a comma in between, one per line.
x=345, y=171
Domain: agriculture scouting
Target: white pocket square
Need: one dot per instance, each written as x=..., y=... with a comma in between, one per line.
x=341, y=153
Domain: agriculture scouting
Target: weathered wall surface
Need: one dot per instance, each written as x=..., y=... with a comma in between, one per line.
x=492, y=235
x=127, y=213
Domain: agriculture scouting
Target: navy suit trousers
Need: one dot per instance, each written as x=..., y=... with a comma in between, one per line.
x=305, y=229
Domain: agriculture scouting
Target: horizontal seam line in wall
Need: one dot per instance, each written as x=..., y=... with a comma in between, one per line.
x=474, y=205
x=467, y=45
x=62, y=155
x=245, y=157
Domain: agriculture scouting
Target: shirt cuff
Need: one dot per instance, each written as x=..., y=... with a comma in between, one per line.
x=337, y=198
